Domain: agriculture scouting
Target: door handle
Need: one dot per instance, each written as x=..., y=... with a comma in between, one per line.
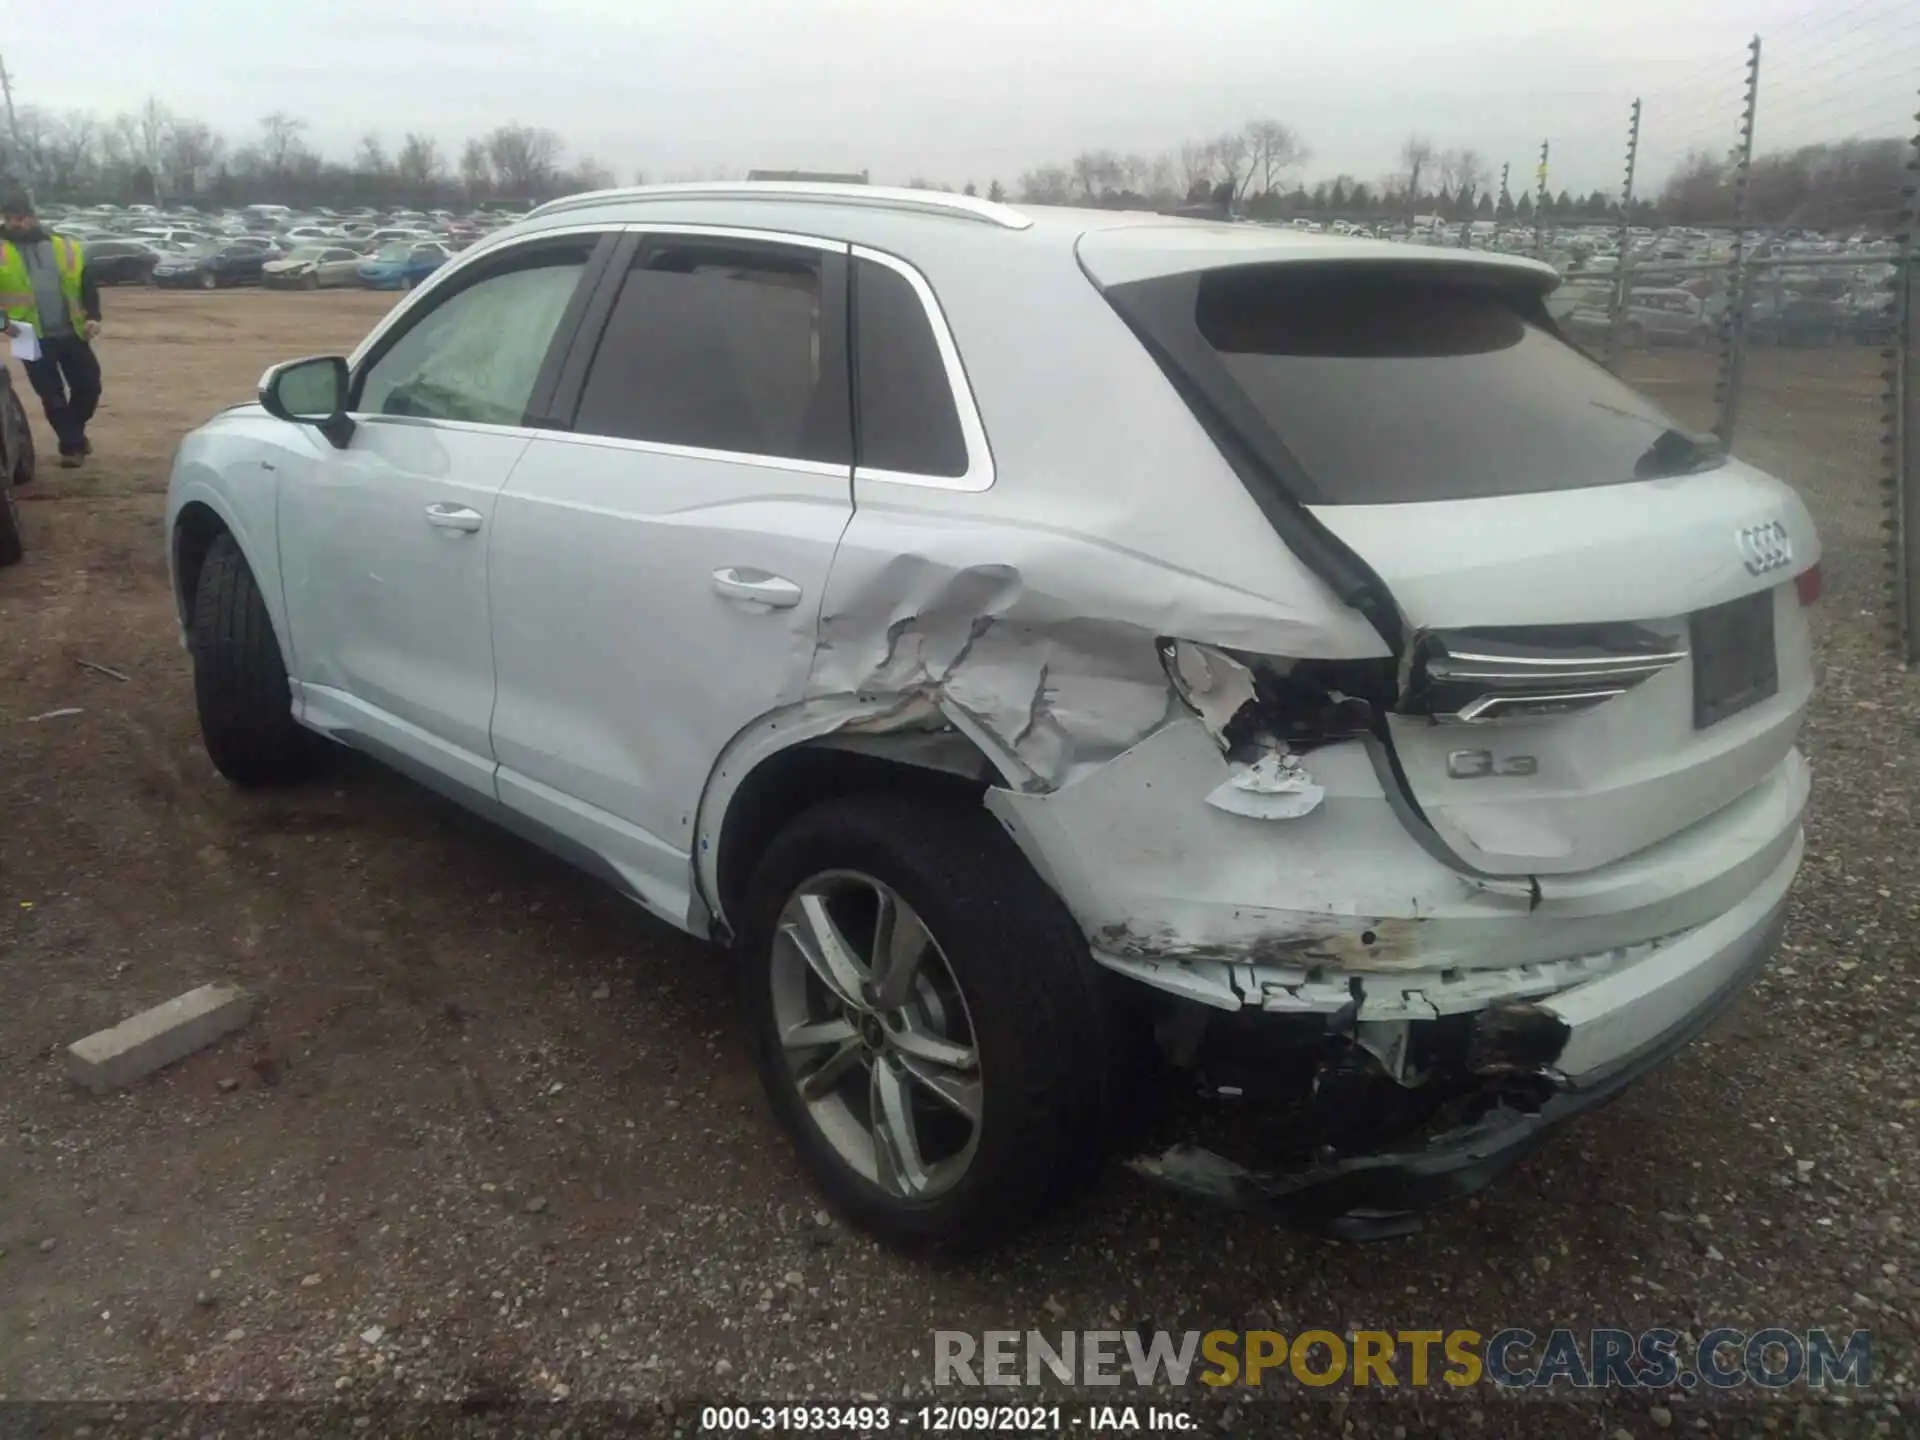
x=453, y=517
x=757, y=587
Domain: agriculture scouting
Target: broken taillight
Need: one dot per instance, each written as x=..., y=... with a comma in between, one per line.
x=1807, y=584
x=1249, y=701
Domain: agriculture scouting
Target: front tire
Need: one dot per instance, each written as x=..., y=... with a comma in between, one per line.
x=208, y=281
x=240, y=681
x=926, y=1020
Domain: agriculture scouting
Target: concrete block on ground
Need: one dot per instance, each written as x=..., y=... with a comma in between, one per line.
x=143, y=1043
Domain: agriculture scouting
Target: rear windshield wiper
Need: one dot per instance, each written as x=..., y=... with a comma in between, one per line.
x=1680, y=452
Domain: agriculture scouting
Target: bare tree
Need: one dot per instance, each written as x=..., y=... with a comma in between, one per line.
x=590, y=174
x=69, y=151
x=525, y=158
x=1416, y=155
x=1162, y=182
x=1274, y=150
x=192, y=151
x=476, y=171
x=1469, y=172
x=418, y=165
x=154, y=123
x=371, y=156
x=1233, y=159
x=120, y=142
x=280, y=141
x=1196, y=165
x=1049, y=185
x=1095, y=171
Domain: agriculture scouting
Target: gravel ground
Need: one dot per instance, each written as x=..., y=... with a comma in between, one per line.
x=493, y=1138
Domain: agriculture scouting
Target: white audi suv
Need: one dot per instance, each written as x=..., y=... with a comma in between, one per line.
x=1264, y=701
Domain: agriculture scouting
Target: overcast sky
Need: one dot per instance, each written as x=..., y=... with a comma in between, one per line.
x=961, y=90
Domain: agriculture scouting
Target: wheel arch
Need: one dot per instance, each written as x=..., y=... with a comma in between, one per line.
x=800, y=756
x=200, y=510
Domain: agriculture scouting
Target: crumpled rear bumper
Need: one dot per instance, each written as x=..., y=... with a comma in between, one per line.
x=1618, y=1027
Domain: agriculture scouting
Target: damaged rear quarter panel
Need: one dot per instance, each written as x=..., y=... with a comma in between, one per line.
x=1047, y=640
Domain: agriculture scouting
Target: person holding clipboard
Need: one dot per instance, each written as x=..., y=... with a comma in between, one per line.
x=51, y=304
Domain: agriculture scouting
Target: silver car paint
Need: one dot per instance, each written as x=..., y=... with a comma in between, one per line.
x=1024, y=617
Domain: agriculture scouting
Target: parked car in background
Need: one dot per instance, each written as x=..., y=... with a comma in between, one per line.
x=313, y=267
x=385, y=234
x=211, y=266
x=1665, y=317
x=120, y=262
x=1804, y=320
x=403, y=265
x=174, y=234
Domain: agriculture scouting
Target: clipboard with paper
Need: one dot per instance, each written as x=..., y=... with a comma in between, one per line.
x=25, y=343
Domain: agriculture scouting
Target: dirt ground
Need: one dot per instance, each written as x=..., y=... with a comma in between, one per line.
x=492, y=1136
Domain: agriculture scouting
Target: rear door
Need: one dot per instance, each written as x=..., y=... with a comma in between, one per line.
x=661, y=553
x=1601, y=638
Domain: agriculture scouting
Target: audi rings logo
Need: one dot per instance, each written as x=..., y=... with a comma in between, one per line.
x=1764, y=547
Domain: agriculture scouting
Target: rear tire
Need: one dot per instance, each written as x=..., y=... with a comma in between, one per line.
x=240, y=681
x=1023, y=987
x=208, y=281
x=25, y=460
x=12, y=549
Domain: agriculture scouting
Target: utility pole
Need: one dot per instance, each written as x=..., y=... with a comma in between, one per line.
x=13, y=130
x=12, y=127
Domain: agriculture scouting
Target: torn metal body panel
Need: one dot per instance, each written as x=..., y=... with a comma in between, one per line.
x=1049, y=641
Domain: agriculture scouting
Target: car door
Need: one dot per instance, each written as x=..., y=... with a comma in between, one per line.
x=659, y=558
x=384, y=543
x=337, y=266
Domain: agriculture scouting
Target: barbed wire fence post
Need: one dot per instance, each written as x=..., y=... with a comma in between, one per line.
x=1540, y=205
x=1623, y=280
x=1903, y=422
x=1733, y=353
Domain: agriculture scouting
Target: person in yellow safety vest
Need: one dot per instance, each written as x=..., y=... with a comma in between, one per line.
x=44, y=283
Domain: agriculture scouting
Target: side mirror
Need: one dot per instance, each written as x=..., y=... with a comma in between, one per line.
x=310, y=392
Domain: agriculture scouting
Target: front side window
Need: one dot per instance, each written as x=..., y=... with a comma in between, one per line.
x=476, y=354
x=720, y=346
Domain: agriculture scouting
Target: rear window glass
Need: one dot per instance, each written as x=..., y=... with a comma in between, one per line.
x=1390, y=389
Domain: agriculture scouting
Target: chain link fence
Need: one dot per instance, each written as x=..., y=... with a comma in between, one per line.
x=1782, y=317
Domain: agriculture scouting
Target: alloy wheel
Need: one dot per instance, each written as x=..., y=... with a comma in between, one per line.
x=876, y=1034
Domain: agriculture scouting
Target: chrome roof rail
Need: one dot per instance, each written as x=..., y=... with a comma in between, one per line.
x=870, y=197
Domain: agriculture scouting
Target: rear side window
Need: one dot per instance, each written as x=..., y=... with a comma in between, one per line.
x=719, y=347
x=907, y=419
x=1390, y=388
